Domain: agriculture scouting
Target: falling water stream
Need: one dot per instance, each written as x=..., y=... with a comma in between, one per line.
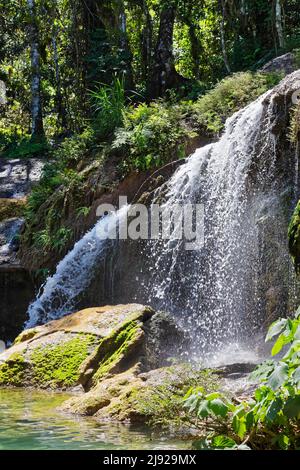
x=214, y=291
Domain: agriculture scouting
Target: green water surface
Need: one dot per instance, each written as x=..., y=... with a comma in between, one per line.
x=29, y=420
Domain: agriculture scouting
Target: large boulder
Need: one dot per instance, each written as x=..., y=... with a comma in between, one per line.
x=133, y=396
x=286, y=63
x=84, y=348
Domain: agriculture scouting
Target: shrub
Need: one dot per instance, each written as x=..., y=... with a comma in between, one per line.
x=60, y=171
x=24, y=147
x=230, y=95
x=153, y=134
x=271, y=419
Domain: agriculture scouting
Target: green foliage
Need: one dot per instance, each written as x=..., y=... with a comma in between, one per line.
x=25, y=147
x=153, y=134
x=272, y=418
x=163, y=403
x=60, y=172
x=109, y=104
x=230, y=95
x=294, y=237
x=56, y=241
x=83, y=211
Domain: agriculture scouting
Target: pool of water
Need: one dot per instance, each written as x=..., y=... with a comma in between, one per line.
x=29, y=420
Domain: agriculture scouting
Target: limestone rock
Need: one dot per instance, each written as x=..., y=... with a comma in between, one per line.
x=136, y=397
x=85, y=348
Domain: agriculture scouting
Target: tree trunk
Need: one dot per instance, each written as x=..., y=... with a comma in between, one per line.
x=279, y=23
x=37, y=129
x=223, y=43
x=122, y=25
x=164, y=75
x=58, y=98
x=195, y=49
x=146, y=43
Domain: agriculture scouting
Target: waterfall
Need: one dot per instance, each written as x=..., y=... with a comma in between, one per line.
x=74, y=273
x=214, y=290
x=223, y=293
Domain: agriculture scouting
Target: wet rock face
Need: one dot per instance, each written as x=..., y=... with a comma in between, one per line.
x=84, y=348
x=9, y=242
x=16, y=292
x=17, y=288
x=17, y=176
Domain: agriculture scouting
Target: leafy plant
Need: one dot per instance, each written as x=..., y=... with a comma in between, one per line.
x=271, y=419
x=153, y=134
x=230, y=95
x=83, y=211
x=109, y=104
x=57, y=241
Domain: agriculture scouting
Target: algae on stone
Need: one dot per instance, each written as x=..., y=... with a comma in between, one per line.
x=58, y=365
x=113, y=349
x=11, y=208
x=84, y=348
x=13, y=371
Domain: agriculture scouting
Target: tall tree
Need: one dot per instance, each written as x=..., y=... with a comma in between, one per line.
x=37, y=129
x=279, y=23
x=222, y=31
x=164, y=75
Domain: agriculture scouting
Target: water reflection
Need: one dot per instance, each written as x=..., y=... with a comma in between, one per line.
x=29, y=420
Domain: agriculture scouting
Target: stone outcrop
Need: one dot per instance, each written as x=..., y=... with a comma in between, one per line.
x=18, y=176
x=133, y=396
x=286, y=63
x=85, y=348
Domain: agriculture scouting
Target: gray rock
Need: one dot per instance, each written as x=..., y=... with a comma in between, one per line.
x=285, y=63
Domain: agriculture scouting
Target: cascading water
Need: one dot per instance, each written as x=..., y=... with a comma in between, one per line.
x=74, y=273
x=215, y=286
x=223, y=293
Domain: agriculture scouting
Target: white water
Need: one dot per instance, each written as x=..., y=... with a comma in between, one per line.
x=74, y=273
x=215, y=292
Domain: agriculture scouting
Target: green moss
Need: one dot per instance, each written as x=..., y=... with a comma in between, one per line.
x=161, y=405
x=114, y=348
x=12, y=372
x=10, y=208
x=159, y=402
x=294, y=237
x=59, y=365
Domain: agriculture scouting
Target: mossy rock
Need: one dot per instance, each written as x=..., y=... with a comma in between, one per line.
x=133, y=396
x=84, y=348
x=11, y=208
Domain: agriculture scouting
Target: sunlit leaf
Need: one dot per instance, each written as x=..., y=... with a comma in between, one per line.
x=278, y=376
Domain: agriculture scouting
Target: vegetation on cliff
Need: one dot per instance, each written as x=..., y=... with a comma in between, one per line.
x=148, y=136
